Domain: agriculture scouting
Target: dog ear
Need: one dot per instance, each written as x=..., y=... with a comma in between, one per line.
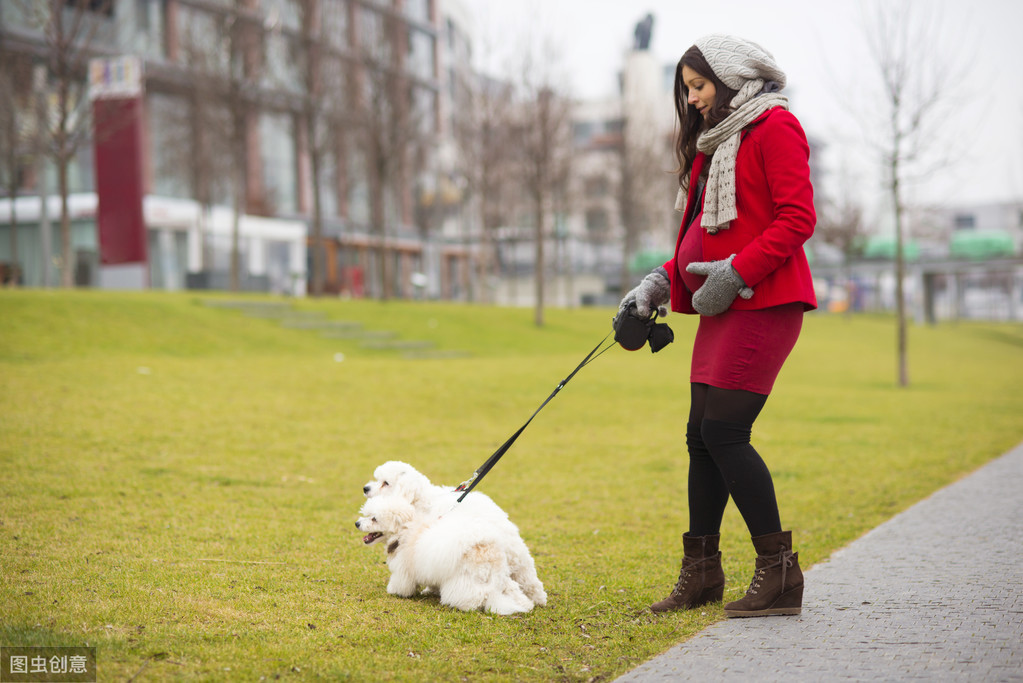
x=402, y=513
x=368, y=508
x=394, y=468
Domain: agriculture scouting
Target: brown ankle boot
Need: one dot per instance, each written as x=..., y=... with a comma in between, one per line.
x=701, y=580
x=777, y=585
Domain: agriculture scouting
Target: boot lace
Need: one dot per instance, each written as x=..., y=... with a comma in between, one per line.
x=689, y=567
x=758, y=575
x=786, y=559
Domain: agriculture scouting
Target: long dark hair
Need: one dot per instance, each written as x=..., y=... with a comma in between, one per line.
x=690, y=122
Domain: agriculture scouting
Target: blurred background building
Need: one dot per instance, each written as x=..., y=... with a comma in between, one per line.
x=348, y=147
x=280, y=132
x=238, y=98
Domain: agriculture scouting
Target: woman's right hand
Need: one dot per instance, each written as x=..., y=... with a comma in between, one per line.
x=652, y=293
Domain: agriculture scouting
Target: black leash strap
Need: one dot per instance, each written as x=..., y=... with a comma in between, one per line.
x=470, y=483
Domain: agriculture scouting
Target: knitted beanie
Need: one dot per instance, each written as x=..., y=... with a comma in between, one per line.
x=735, y=60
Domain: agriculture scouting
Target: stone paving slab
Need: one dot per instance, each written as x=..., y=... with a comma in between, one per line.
x=934, y=594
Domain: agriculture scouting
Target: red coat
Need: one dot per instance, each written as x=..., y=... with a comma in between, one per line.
x=774, y=200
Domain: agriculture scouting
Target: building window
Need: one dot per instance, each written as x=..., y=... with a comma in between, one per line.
x=277, y=140
x=596, y=186
x=424, y=111
x=142, y=18
x=420, y=54
x=204, y=46
x=597, y=220
x=149, y=39
x=284, y=55
x=334, y=84
x=582, y=132
x=965, y=221
x=372, y=39
x=418, y=10
x=358, y=189
x=168, y=145
x=104, y=7
x=280, y=15
x=328, y=187
x=334, y=24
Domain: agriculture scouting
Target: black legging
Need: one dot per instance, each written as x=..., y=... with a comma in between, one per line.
x=722, y=462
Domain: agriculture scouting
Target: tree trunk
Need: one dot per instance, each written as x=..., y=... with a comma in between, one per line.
x=487, y=244
x=379, y=220
x=15, y=267
x=12, y=190
x=900, y=295
x=66, y=273
x=236, y=220
x=538, y=316
x=900, y=262
x=12, y=186
x=315, y=161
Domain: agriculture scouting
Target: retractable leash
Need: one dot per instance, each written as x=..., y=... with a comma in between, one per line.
x=470, y=483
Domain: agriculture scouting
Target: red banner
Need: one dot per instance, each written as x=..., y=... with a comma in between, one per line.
x=120, y=180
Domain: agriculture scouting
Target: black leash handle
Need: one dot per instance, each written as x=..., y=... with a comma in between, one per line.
x=470, y=483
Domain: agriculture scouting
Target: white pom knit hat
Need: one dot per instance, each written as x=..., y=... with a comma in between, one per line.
x=736, y=60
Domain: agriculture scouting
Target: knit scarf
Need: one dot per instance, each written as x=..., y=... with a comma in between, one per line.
x=722, y=141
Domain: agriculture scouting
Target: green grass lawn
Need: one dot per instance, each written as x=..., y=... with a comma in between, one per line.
x=179, y=483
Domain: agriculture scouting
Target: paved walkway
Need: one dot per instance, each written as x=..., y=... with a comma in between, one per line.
x=934, y=594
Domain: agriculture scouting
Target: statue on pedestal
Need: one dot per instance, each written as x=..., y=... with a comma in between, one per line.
x=643, y=32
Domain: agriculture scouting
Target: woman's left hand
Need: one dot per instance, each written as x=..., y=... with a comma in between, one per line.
x=723, y=284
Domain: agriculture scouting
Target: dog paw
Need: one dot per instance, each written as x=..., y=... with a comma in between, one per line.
x=402, y=590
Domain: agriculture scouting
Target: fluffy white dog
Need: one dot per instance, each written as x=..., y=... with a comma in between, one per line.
x=468, y=552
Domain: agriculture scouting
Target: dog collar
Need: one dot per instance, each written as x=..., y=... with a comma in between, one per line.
x=392, y=547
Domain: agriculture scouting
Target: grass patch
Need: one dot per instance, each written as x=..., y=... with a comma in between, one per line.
x=180, y=481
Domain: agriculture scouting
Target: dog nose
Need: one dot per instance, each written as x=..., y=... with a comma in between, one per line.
x=357, y=526
x=365, y=489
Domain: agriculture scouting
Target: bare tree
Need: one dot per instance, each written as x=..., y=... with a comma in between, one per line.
x=243, y=34
x=485, y=127
x=840, y=219
x=840, y=224
x=195, y=130
x=915, y=66
x=563, y=199
x=544, y=145
x=644, y=184
x=391, y=124
x=379, y=119
x=545, y=142
x=322, y=110
x=484, y=141
x=15, y=74
x=642, y=193
x=70, y=28
x=220, y=55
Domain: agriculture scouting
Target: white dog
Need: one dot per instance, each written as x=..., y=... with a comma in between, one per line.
x=469, y=552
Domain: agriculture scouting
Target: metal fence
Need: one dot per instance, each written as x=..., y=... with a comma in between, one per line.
x=934, y=290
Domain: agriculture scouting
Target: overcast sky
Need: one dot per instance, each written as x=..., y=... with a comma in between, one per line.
x=820, y=45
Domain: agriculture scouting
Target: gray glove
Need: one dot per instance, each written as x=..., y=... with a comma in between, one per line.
x=723, y=284
x=652, y=293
